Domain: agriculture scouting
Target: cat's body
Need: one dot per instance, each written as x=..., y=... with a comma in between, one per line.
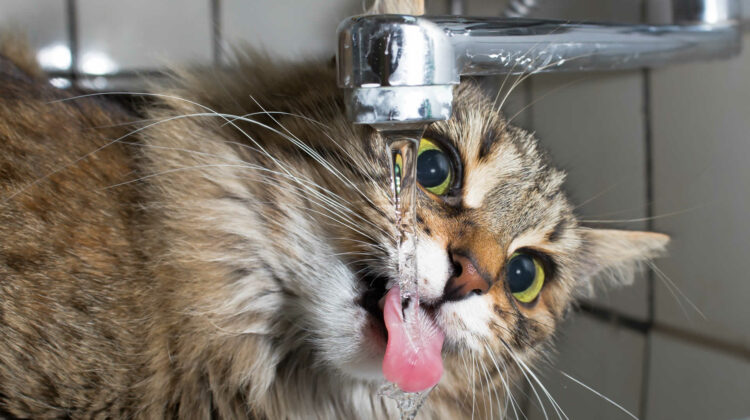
x=207, y=266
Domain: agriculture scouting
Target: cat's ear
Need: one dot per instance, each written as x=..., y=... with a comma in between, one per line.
x=398, y=7
x=620, y=252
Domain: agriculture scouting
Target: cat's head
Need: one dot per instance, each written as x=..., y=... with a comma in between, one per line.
x=500, y=254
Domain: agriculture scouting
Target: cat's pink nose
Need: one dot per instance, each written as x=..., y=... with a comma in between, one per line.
x=465, y=281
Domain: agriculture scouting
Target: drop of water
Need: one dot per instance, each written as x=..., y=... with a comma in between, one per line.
x=408, y=403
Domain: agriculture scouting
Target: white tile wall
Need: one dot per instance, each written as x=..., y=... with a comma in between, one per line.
x=701, y=135
x=45, y=28
x=593, y=125
x=606, y=358
x=690, y=382
x=290, y=28
x=142, y=34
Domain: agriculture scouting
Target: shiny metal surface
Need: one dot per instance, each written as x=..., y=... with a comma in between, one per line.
x=401, y=104
x=394, y=51
x=490, y=46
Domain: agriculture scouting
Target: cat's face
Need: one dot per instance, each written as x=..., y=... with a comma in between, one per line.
x=500, y=254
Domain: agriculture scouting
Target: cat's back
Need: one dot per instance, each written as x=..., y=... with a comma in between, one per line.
x=68, y=260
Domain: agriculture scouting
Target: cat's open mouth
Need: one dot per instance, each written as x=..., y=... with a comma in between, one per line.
x=372, y=297
x=373, y=300
x=412, y=359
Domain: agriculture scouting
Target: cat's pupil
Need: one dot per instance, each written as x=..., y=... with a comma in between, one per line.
x=521, y=273
x=433, y=167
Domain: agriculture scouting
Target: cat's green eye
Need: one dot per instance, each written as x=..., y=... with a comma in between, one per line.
x=525, y=276
x=434, y=168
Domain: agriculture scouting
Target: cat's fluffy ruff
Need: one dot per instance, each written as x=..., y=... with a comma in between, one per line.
x=226, y=280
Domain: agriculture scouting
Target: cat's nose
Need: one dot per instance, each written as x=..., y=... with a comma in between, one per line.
x=465, y=281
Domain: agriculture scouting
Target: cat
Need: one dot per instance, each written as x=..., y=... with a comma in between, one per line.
x=221, y=248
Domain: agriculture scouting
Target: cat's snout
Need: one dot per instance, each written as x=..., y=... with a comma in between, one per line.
x=465, y=281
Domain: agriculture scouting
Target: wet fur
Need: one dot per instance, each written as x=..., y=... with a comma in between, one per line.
x=206, y=266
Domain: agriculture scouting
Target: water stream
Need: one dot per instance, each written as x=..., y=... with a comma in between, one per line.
x=402, y=144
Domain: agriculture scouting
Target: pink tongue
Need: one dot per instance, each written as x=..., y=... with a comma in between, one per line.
x=412, y=357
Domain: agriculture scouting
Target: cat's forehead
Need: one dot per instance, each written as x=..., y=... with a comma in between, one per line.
x=507, y=181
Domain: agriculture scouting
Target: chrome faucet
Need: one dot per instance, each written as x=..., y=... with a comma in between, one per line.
x=401, y=69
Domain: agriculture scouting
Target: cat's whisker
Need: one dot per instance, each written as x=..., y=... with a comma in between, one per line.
x=668, y=281
x=597, y=195
x=473, y=387
x=311, y=152
x=523, y=77
x=643, y=219
x=481, y=381
x=509, y=399
x=534, y=102
x=600, y=395
x=490, y=389
x=342, y=218
x=517, y=61
x=508, y=382
x=530, y=382
x=165, y=96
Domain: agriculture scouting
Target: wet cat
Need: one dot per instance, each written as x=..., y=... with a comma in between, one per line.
x=223, y=251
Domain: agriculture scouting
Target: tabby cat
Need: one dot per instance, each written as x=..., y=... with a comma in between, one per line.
x=221, y=250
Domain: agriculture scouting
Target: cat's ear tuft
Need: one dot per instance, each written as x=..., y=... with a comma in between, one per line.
x=397, y=7
x=620, y=252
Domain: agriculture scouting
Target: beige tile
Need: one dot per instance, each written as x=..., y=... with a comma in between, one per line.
x=44, y=25
x=286, y=28
x=701, y=137
x=593, y=126
x=141, y=34
x=687, y=382
x=602, y=356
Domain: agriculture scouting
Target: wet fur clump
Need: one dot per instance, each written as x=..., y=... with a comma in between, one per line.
x=207, y=254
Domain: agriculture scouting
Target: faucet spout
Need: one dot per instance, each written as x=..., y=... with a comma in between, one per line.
x=401, y=69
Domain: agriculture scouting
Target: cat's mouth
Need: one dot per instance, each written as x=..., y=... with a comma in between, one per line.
x=372, y=300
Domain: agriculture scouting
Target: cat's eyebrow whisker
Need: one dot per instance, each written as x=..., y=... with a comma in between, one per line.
x=549, y=92
x=517, y=60
x=668, y=281
x=597, y=195
x=322, y=161
x=310, y=151
x=643, y=219
x=600, y=395
x=523, y=77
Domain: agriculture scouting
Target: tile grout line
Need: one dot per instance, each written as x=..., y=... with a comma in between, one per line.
x=631, y=323
x=72, y=16
x=216, y=31
x=649, y=175
x=651, y=302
